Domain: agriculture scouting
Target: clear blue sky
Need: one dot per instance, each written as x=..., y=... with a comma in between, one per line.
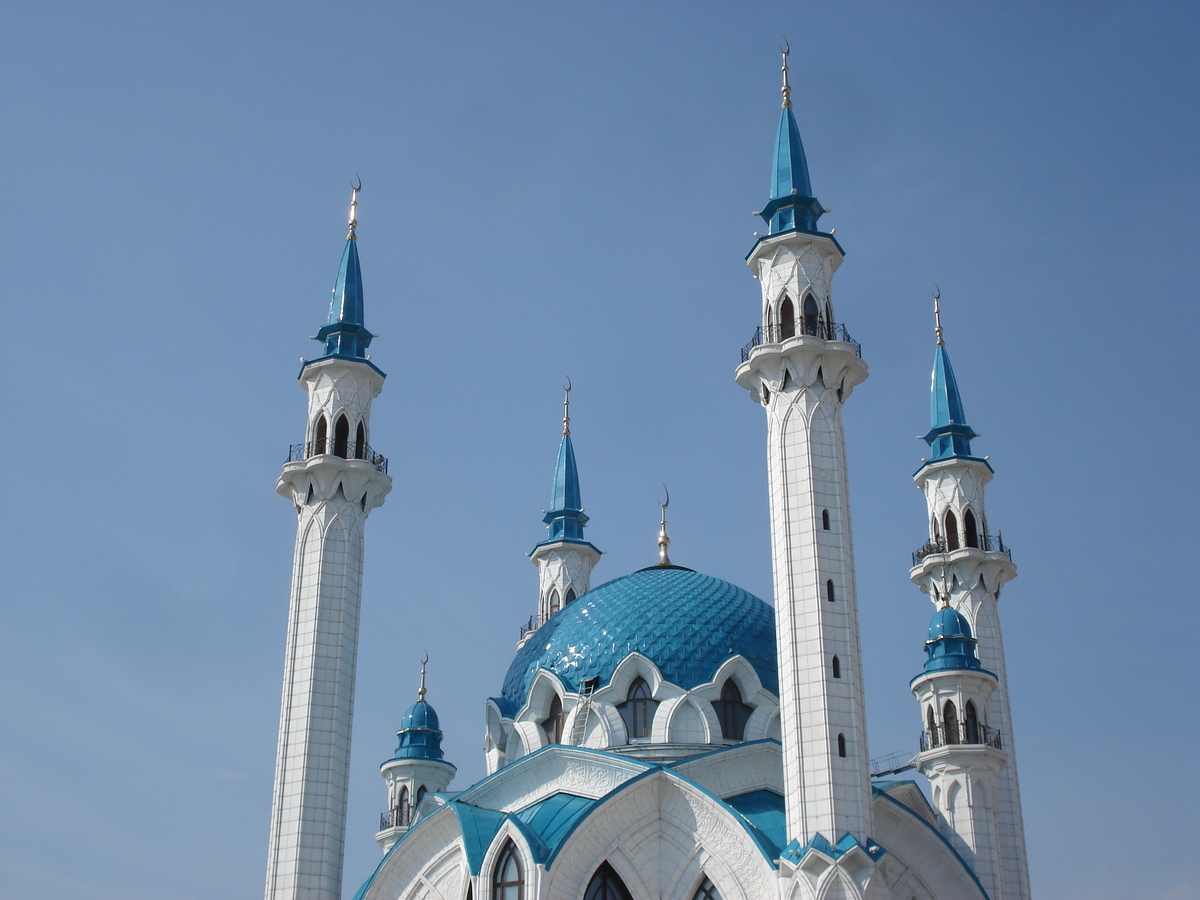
x=553, y=191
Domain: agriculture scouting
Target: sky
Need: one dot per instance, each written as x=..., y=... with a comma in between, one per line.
x=556, y=191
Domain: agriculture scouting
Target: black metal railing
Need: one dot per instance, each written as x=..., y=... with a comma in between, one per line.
x=983, y=542
x=816, y=327
x=352, y=450
x=963, y=733
x=528, y=628
x=394, y=818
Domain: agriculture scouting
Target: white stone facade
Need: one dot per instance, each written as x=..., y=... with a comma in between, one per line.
x=564, y=573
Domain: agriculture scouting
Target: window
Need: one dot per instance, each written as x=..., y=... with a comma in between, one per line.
x=732, y=712
x=842, y=745
x=341, y=436
x=403, y=812
x=553, y=723
x=787, y=319
x=829, y=591
x=972, y=533
x=638, y=709
x=570, y=596
x=322, y=437
x=825, y=519
x=420, y=796
x=950, y=722
x=971, y=723
x=706, y=891
x=812, y=318
x=766, y=393
x=360, y=442
x=932, y=723
x=554, y=601
x=951, y=530
x=837, y=668
x=507, y=882
x=606, y=884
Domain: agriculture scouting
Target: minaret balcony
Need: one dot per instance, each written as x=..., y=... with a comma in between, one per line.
x=815, y=327
x=949, y=734
x=939, y=545
x=352, y=450
x=401, y=817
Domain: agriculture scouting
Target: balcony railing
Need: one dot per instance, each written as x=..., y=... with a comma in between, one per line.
x=962, y=733
x=528, y=628
x=817, y=327
x=395, y=818
x=352, y=450
x=983, y=542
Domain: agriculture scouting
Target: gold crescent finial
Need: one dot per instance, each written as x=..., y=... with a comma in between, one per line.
x=354, y=189
x=421, y=689
x=937, y=314
x=787, y=88
x=663, y=541
x=567, y=408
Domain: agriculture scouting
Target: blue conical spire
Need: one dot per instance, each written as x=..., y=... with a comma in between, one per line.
x=792, y=206
x=949, y=434
x=344, y=333
x=565, y=518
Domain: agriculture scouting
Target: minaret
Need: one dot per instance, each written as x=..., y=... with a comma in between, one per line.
x=334, y=479
x=801, y=367
x=564, y=560
x=417, y=768
x=964, y=566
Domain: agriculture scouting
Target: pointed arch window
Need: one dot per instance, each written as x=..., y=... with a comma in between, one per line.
x=829, y=594
x=420, y=796
x=970, y=531
x=360, y=442
x=970, y=723
x=638, y=709
x=842, y=745
x=341, y=436
x=787, y=319
x=951, y=530
x=812, y=318
x=606, y=884
x=825, y=519
x=837, y=668
x=322, y=436
x=706, y=891
x=931, y=723
x=732, y=713
x=570, y=596
x=553, y=723
x=554, y=606
x=403, y=811
x=508, y=881
x=950, y=722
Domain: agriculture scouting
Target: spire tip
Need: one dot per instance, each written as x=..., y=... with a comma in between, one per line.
x=663, y=541
x=937, y=314
x=567, y=408
x=421, y=689
x=354, y=189
x=786, y=49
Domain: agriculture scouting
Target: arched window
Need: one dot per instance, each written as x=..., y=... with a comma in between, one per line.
x=508, y=883
x=971, y=723
x=841, y=745
x=420, y=796
x=837, y=668
x=322, y=437
x=931, y=721
x=706, y=891
x=787, y=319
x=403, y=811
x=638, y=709
x=829, y=591
x=971, y=532
x=553, y=723
x=825, y=519
x=951, y=530
x=341, y=436
x=360, y=442
x=554, y=601
x=812, y=318
x=606, y=884
x=950, y=722
x=570, y=596
x=732, y=713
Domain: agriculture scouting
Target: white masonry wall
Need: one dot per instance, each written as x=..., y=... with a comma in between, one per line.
x=332, y=497
x=562, y=566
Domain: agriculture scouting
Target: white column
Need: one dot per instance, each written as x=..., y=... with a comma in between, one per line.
x=333, y=497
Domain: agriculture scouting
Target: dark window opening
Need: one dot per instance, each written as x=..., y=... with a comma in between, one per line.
x=402, y=808
x=554, y=601
x=508, y=883
x=971, y=723
x=950, y=722
x=829, y=591
x=420, y=796
x=972, y=533
x=638, y=709
x=360, y=442
x=787, y=319
x=825, y=519
x=812, y=318
x=766, y=393
x=606, y=884
x=837, y=668
x=570, y=596
x=553, y=723
x=321, y=438
x=951, y=530
x=732, y=713
x=841, y=745
x=931, y=721
x=341, y=437
x=706, y=891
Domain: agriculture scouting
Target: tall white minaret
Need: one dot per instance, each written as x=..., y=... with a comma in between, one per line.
x=802, y=367
x=964, y=566
x=334, y=479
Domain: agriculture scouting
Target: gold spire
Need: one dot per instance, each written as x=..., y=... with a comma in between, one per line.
x=354, y=208
x=663, y=541
x=787, y=88
x=567, y=409
x=937, y=315
x=421, y=689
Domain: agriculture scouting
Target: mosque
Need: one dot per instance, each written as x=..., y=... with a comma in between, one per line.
x=668, y=735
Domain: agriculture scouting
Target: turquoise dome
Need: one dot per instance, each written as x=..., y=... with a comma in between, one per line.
x=950, y=645
x=685, y=622
x=948, y=622
x=419, y=735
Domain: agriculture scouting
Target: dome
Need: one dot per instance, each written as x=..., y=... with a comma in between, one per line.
x=950, y=645
x=948, y=623
x=419, y=735
x=685, y=622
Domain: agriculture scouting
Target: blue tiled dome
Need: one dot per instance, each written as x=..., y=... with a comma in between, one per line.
x=950, y=645
x=419, y=735
x=948, y=623
x=687, y=623
x=419, y=715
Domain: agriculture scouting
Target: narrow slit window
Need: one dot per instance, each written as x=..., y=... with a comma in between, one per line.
x=829, y=594
x=787, y=319
x=841, y=745
x=951, y=530
x=837, y=668
x=825, y=519
x=321, y=438
x=341, y=437
x=971, y=532
x=812, y=318
x=360, y=442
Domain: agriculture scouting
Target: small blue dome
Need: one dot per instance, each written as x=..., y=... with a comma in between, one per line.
x=419, y=734
x=948, y=622
x=419, y=715
x=950, y=645
x=686, y=623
